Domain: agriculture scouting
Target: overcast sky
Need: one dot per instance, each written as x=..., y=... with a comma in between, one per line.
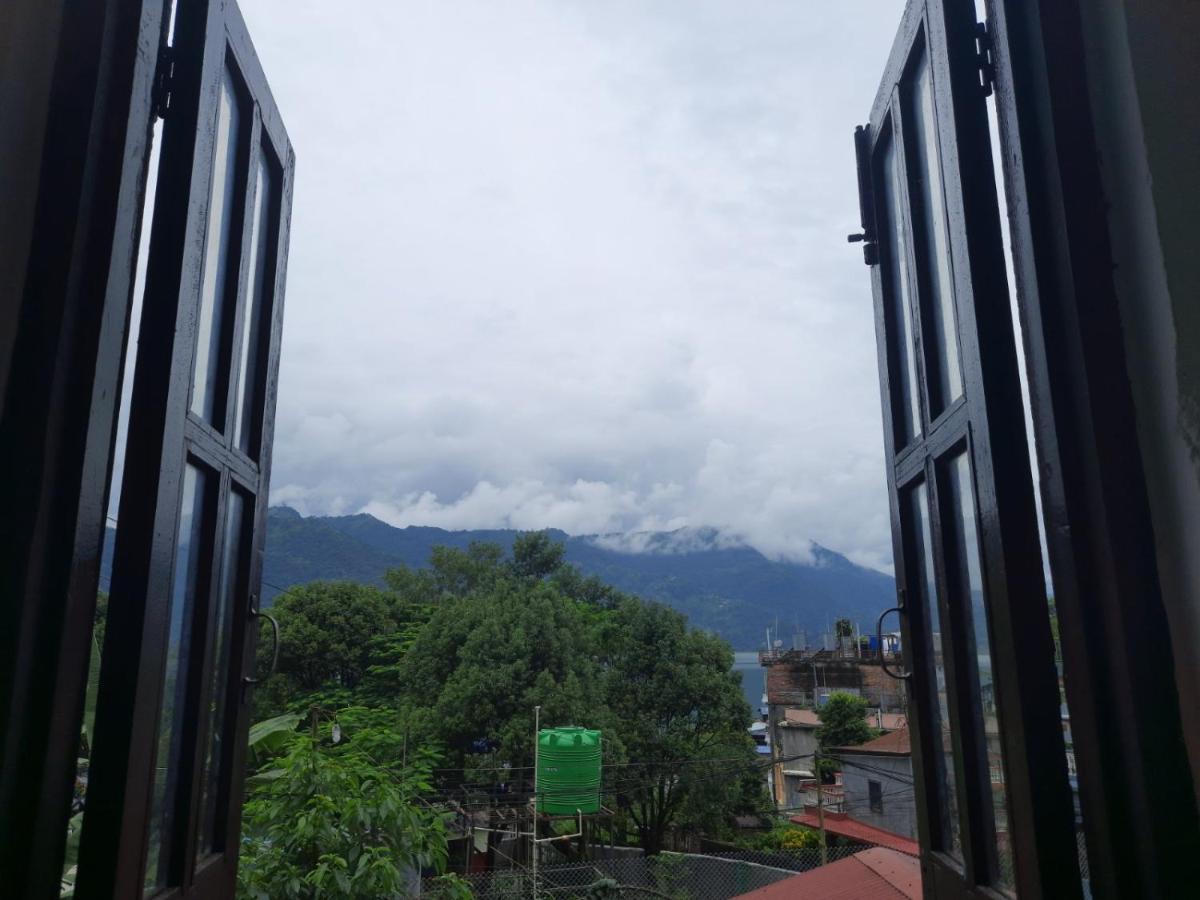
x=581, y=265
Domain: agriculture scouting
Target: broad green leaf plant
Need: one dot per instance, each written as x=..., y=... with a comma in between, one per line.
x=327, y=819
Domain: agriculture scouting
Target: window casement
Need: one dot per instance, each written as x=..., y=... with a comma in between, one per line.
x=993, y=814
x=162, y=816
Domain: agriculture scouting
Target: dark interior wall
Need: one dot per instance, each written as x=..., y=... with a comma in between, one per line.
x=29, y=34
x=1144, y=73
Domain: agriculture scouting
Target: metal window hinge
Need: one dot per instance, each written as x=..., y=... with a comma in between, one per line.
x=866, y=213
x=164, y=77
x=983, y=58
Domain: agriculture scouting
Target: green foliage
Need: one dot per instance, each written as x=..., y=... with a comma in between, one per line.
x=270, y=737
x=330, y=821
x=843, y=724
x=674, y=698
x=100, y=618
x=71, y=857
x=727, y=590
x=536, y=555
x=460, y=572
x=451, y=660
x=326, y=631
x=448, y=887
x=484, y=661
x=782, y=836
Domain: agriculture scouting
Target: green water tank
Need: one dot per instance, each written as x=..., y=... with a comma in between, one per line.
x=568, y=771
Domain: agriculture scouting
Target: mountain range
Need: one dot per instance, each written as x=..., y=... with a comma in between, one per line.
x=717, y=580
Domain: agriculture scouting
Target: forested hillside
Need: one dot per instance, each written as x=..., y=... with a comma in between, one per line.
x=721, y=585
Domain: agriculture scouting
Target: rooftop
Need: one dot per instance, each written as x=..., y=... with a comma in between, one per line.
x=875, y=874
x=894, y=743
x=794, y=717
x=843, y=826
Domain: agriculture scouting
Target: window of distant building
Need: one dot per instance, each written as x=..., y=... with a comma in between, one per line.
x=875, y=796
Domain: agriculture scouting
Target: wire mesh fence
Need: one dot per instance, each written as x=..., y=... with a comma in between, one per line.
x=676, y=876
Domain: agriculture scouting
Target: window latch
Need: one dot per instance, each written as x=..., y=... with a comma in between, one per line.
x=898, y=608
x=257, y=613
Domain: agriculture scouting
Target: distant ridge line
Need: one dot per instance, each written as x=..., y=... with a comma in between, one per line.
x=720, y=582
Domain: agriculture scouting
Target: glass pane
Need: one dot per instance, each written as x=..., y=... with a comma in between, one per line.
x=905, y=412
x=231, y=559
x=257, y=317
x=962, y=502
x=941, y=342
x=951, y=841
x=209, y=368
x=189, y=556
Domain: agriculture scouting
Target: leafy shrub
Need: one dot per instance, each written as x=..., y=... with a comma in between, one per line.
x=328, y=821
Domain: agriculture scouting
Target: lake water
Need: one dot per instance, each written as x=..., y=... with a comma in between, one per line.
x=753, y=678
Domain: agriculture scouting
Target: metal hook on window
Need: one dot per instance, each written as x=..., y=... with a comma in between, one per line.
x=899, y=608
x=256, y=613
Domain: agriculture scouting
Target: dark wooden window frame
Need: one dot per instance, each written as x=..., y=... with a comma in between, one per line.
x=164, y=437
x=1137, y=793
x=988, y=423
x=60, y=414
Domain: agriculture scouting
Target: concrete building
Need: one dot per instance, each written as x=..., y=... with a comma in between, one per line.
x=800, y=681
x=877, y=783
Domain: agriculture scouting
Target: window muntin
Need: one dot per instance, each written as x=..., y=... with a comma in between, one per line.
x=192, y=554
x=966, y=574
x=932, y=245
x=258, y=308
x=906, y=415
x=210, y=366
x=948, y=828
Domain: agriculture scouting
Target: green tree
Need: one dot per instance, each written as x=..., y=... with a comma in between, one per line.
x=681, y=719
x=536, y=555
x=329, y=821
x=844, y=630
x=457, y=573
x=843, y=724
x=484, y=661
x=326, y=632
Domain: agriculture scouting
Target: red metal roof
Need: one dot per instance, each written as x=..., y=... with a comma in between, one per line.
x=797, y=717
x=802, y=717
x=875, y=874
x=843, y=826
x=894, y=743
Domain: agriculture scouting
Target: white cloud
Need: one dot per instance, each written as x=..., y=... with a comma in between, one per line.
x=580, y=265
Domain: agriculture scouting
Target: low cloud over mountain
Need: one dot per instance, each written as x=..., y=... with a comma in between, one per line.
x=717, y=579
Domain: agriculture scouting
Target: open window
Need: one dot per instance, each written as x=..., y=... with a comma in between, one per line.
x=164, y=795
x=994, y=804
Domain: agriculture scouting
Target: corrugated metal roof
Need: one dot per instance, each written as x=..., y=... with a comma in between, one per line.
x=801, y=717
x=875, y=874
x=843, y=826
x=894, y=743
x=808, y=718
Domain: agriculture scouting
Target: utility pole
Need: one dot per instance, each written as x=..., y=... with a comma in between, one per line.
x=820, y=807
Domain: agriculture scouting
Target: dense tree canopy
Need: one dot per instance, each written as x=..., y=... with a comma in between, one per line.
x=485, y=660
x=674, y=697
x=327, y=629
x=452, y=659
